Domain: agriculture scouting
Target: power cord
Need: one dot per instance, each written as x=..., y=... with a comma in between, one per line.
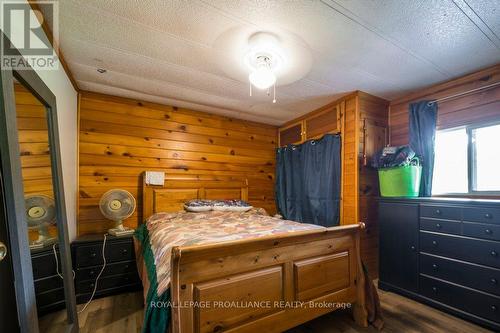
x=96, y=279
x=57, y=262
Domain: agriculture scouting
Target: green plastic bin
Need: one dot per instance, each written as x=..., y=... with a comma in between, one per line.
x=400, y=181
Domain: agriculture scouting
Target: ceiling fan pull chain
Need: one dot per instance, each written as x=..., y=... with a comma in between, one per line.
x=274, y=88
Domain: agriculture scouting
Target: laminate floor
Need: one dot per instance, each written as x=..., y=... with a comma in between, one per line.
x=124, y=313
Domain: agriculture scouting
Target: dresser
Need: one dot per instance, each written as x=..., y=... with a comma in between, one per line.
x=445, y=253
x=49, y=289
x=120, y=274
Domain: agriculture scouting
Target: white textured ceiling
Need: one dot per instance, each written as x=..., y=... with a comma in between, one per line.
x=168, y=51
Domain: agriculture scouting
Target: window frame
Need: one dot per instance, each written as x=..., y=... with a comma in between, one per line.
x=471, y=162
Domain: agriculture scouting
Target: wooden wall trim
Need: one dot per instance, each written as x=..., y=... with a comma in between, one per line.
x=35, y=7
x=323, y=108
x=473, y=107
x=472, y=80
x=79, y=101
x=357, y=133
x=163, y=107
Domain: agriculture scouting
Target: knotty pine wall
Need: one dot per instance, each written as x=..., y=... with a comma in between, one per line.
x=121, y=138
x=481, y=106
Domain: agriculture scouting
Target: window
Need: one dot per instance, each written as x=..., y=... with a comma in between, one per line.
x=467, y=160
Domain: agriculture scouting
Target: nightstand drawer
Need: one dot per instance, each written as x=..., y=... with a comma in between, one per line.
x=91, y=255
x=481, y=230
x=44, y=265
x=441, y=212
x=468, y=300
x=469, y=275
x=109, y=282
x=484, y=215
x=444, y=226
x=50, y=297
x=49, y=283
x=126, y=267
x=462, y=248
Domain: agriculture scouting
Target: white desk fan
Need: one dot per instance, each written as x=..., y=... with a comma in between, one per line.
x=117, y=205
x=40, y=214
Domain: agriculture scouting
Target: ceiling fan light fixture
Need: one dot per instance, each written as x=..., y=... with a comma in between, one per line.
x=262, y=78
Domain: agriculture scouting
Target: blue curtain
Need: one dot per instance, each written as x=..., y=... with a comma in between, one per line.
x=422, y=123
x=308, y=181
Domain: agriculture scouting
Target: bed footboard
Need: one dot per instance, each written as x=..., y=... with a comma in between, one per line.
x=269, y=284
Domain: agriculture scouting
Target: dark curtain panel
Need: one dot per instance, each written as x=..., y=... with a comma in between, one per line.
x=308, y=181
x=423, y=117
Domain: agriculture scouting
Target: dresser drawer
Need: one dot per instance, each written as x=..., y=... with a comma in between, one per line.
x=470, y=275
x=485, y=215
x=474, y=302
x=91, y=255
x=126, y=267
x=441, y=212
x=481, y=230
x=49, y=283
x=474, y=250
x=50, y=297
x=444, y=226
x=104, y=283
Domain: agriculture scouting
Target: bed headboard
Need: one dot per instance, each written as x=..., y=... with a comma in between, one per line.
x=171, y=196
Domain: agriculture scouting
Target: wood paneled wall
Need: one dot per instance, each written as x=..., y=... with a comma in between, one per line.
x=350, y=141
x=121, y=138
x=34, y=146
x=373, y=128
x=475, y=107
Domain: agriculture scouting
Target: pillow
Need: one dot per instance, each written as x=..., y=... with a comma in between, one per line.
x=198, y=205
x=232, y=205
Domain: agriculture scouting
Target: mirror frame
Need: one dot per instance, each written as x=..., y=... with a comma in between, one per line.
x=14, y=197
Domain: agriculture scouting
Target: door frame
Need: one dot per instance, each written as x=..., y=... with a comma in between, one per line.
x=14, y=197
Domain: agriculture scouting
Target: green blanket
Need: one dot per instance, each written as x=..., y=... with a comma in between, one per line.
x=156, y=318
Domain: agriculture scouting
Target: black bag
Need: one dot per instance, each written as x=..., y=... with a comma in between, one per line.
x=390, y=157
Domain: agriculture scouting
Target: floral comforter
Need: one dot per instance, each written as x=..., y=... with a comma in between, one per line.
x=167, y=230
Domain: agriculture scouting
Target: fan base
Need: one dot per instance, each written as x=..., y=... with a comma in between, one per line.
x=117, y=232
x=40, y=244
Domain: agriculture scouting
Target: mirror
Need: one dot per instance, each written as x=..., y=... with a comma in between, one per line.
x=34, y=148
x=40, y=208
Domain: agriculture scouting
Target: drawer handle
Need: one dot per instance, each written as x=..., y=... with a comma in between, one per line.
x=488, y=215
x=91, y=273
x=124, y=251
x=493, y=281
x=494, y=253
x=435, y=266
x=93, y=254
x=488, y=231
x=438, y=212
x=412, y=247
x=435, y=243
x=493, y=308
x=438, y=226
x=92, y=285
x=435, y=289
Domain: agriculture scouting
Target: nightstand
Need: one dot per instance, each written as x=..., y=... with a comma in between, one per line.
x=49, y=289
x=120, y=274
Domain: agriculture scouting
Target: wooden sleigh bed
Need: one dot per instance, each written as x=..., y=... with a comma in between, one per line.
x=290, y=279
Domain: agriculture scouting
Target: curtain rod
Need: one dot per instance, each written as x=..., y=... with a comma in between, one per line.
x=464, y=93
